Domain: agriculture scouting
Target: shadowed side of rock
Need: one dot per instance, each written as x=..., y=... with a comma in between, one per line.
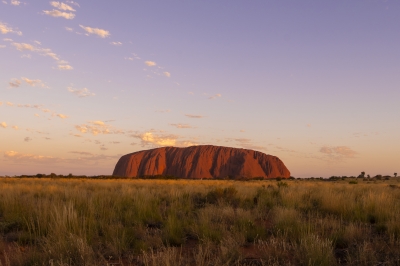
x=204, y=161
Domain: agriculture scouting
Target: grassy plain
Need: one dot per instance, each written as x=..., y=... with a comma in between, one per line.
x=186, y=222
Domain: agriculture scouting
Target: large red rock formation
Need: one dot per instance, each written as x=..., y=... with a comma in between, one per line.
x=204, y=161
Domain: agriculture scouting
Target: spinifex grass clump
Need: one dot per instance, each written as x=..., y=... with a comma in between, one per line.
x=186, y=222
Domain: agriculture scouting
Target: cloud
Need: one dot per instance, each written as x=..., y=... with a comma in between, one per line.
x=82, y=153
x=43, y=52
x=116, y=43
x=150, y=63
x=23, y=46
x=98, y=127
x=69, y=29
x=148, y=138
x=163, y=111
x=4, y=29
x=15, y=84
x=194, y=116
x=27, y=139
x=153, y=139
x=73, y=3
x=181, y=125
x=58, y=14
x=248, y=144
x=21, y=157
x=34, y=82
x=2, y=46
x=62, y=116
x=62, y=6
x=15, y=2
x=215, y=96
x=167, y=74
x=338, y=152
x=98, y=123
x=81, y=93
x=3, y=124
x=35, y=106
x=135, y=56
x=100, y=32
x=26, y=56
x=65, y=67
x=15, y=127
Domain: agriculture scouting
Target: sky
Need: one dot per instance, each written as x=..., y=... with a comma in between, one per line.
x=315, y=83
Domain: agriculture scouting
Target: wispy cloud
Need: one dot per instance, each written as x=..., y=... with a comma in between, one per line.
x=84, y=153
x=167, y=74
x=59, y=14
x=26, y=157
x=15, y=2
x=100, y=32
x=3, y=124
x=62, y=6
x=150, y=138
x=194, y=116
x=43, y=52
x=150, y=63
x=131, y=58
x=62, y=116
x=27, y=139
x=181, y=125
x=215, y=96
x=15, y=83
x=2, y=46
x=338, y=152
x=116, y=43
x=15, y=127
x=4, y=29
x=39, y=107
x=23, y=46
x=248, y=144
x=65, y=67
x=81, y=93
x=34, y=82
x=69, y=29
x=98, y=127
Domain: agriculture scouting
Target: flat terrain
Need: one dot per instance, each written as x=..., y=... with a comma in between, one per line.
x=60, y=221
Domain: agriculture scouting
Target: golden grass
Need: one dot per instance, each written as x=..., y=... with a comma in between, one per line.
x=198, y=222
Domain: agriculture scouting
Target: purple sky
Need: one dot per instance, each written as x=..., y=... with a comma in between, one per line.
x=316, y=83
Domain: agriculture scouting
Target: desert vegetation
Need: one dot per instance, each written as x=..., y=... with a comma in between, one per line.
x=66, y=221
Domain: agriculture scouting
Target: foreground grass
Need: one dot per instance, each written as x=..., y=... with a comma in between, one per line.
x=186, y=222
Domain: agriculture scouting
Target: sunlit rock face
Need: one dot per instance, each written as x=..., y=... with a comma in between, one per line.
x=205, y=161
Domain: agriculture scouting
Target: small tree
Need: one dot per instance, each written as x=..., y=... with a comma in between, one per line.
x=395, y=174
